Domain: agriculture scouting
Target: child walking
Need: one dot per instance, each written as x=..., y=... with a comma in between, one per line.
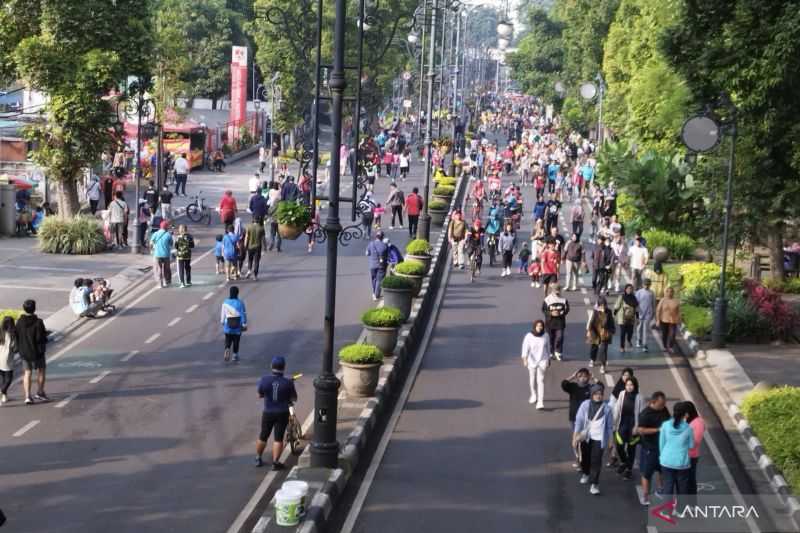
x=535, y=272
x=524, y=258
x=218, y=255
x=377, y=213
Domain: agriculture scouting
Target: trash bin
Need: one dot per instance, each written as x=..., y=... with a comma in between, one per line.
x=8, y=223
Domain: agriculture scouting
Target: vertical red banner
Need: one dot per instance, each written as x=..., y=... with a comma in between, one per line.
x=238, y=113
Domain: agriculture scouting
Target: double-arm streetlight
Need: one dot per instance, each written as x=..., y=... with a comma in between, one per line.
x=590, y=90
x=269, y=120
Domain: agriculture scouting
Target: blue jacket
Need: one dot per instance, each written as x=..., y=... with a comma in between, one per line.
x=376, y=250
x=233, y=307
x=229, y=246
x=674, y=444
x=161, y=242
x=582, y=421
x=493, y=225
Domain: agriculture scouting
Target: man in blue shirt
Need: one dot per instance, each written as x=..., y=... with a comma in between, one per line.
x=377, y=252
x=161, y=244
x=552, y=174
x=278, y=393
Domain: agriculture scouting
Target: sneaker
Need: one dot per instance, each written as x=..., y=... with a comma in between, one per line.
x=645, y=501
x=591, y=363
x=235, y=358
x=533, y=284
x=3, y=399
x=644, y=349
x=539, y=406
x=584, y=479
x=627, y=475
x=532, y=400
x=558, y=356
x=595, y=490
x=658, y=494
x=29, y=401
x=189, y=284
x=227, y=355
x=602, y=369
x=183, y=285
x=247, y=276
x=621, y=469
x=391, y=227
x=374, y=298
x=576, y=466
x=258, y=462
x=41, y=397
x=277, y=466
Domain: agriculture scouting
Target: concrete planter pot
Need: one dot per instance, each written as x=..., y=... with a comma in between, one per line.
x=424, y=259
x=383, y=338
x=360, y=381
x=400, y=299
x=437, y=217
x=446, y=199
x=416, y=280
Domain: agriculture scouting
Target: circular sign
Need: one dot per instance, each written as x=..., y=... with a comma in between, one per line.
x=406, y=75
x=700, y=134
x=407, y=103
x=560, y=89
x=588, y=90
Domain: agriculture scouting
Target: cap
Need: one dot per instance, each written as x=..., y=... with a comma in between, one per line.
x=278, y=363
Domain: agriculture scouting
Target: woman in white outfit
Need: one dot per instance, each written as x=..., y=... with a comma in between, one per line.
x=536, y=357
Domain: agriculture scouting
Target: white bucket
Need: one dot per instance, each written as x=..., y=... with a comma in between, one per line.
x=287, y=503
x=300, y=487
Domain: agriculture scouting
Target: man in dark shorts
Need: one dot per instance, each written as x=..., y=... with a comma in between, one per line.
x=650, y=420
x=31, y=343
x=278, y=393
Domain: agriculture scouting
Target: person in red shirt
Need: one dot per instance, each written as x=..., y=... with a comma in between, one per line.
x=413, y=208
x=551, y=262
x=227, y=208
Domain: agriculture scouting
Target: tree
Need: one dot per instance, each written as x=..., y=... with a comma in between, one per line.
x=750, y=50
x=75, y=52
x=539, y=59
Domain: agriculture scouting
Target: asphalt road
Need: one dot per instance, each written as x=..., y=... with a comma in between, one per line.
x=469, y=453
x=148, y=430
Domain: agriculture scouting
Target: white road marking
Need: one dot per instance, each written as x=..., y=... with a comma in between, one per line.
x=95, y=380
x=174, y=321
x=584, y=291
x=609, y=380
x=191, y=308
x=55, y=269
x=32, y=288
x=27, y=427
x=63, y=403
x=130, y=356
x=152, y=338
x=208, y=296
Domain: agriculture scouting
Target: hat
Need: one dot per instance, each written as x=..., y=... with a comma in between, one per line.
x=278, y=363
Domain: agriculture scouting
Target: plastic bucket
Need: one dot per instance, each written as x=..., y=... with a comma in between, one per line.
x=301, y=487
x=287, y=503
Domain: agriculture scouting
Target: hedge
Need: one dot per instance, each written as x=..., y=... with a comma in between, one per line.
x=438, y=205
x=680, y=246
x=13, y=313
x=775, y=418
x=696, y=319
x=700, y=282
x=361, y=354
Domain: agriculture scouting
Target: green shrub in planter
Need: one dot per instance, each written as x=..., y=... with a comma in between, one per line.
x=438, y=205
x=444, y=190
x=79, y=236
x=397, y=283
x=446, y=182
x=361, y=354
x=696, y=319
x=383, y=317
x=293, y=214
x=410, y=268
x=418, y=247
x=775, y=419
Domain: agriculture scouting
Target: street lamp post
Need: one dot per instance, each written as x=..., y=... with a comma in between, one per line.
x=424, y=227
x=442, y=66
x=703, y=133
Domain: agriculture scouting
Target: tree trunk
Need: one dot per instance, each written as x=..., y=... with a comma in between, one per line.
x=775, y=245
x=68, y=203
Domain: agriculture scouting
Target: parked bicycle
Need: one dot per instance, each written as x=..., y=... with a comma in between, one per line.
x=197, y=210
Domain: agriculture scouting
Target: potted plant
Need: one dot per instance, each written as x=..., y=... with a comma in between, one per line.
x=419, y=250
x=444, y=192
x=361, y=367
x=293, y=218
x=446, y=181
x=438, y=209
x=413, y=271
x=397, y=293
x=382, y=324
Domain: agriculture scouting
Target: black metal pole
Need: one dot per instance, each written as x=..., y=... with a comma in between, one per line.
x=442, y=66
x=357, y=111
x=325, y=447
x=424, y=227
x=721, y=304
x=317, y=82
x=139, y=111
x=421, y=71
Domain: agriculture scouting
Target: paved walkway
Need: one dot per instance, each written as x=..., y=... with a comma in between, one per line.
x=776, y=364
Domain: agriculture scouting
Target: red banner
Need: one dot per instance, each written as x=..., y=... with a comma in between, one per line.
x=238, y=112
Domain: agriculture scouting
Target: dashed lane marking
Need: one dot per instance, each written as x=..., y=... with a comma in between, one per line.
x=152, y=338
x=208, y=295
x=130, y=356
x=63, y=403
x=95, y=380
x=191, y=308
x=27, y=427
x=173, y=321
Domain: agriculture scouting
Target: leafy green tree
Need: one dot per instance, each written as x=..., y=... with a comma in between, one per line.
x=75, y=52
x=539, y=59
x=750, y=49
x=586, y=24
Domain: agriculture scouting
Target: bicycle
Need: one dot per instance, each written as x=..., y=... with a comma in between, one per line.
x=474, y=263
x=197, y=210
x=477, y=208
x=294, y=431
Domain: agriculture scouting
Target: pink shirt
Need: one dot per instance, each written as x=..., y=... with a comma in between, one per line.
x=698, y=426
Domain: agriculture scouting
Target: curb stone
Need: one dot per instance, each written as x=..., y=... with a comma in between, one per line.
x=765, y=463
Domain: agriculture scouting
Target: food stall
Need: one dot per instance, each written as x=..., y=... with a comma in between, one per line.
x=179, y=137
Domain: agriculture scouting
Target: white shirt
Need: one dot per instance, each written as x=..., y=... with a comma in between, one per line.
x=93, y=191
x=535, y=350
x=6, y=357
x=403, y=161
x=639, y=257
x=181, y=166
x=597, y=427
x=253, y=184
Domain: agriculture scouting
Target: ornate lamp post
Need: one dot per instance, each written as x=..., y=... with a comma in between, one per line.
x=588, y=92
x=424, y=227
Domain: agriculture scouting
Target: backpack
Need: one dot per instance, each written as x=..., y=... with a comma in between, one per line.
x=393, y=254
x=628, y=313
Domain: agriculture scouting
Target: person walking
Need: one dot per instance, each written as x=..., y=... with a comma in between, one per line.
x=227, y=208
x=456, y=234
x=8, y=347
x=273, y=199
x=255, y=239
x=230, y=251
x=647, y=304
x=625, y=311
x=675, y=440
x=117, y=214
x=182, y=168
x=257, y=206
x=626, y=410
x=414, y=204
x=536, y=357
x=93, y=194
x=378, y=257
x=165, y=199
x=638, y=256
x=574, y=257
x=602, y=263
x=600, y=332
x=395, y=201
x=233, y=316
x=555, y=309
x=143, y=216
x=576, y=215
x=649, y=426
x=32, y=345
x=577, y=386
x=278, y=394
x=184, y=245
x=161, y=244
x=263, y=155
x=698, y=426
x=594, y=426
x=551, y=261
x=668, y=316
x=507, y=244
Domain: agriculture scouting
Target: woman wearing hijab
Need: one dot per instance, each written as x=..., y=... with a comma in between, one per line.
x=536, y=357
x=625, y=310
x=600, y=332
x=594, y=425
x=626, y=417
x=619, y=386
